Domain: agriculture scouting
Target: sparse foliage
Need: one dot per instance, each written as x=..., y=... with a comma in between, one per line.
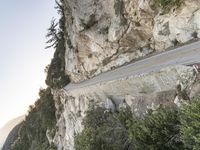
x=56, y=77
x=56, y=30
x=52, y=35
x=166, y=5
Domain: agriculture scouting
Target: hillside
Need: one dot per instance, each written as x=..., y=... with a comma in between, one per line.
x=95, y=101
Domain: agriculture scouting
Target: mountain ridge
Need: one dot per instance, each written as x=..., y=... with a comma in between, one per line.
x=5, y=130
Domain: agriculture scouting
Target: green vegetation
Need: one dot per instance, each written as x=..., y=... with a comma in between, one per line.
x=156, y=131
x=104, y=131
x=40, y=118
x=56, y=77
x=166, y=5
x=163, y=129
x=190, y=125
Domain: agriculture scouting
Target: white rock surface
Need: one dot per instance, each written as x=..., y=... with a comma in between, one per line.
x=102, y=35
x=179, y=26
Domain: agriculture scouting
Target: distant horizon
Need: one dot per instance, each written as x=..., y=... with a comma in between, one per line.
x=23, y=58
x=5, y=130
x=15, y=118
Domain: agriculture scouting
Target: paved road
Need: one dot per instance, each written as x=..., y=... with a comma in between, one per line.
x=185, y=55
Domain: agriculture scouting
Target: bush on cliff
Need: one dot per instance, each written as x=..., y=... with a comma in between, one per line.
x=103, y=131
x=163, y=129
x=190, y=124
x=124, y=131
x=166, y=5
x=56, y=77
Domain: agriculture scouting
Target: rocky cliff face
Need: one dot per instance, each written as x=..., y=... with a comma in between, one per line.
x=102, y=35
x=140, y=93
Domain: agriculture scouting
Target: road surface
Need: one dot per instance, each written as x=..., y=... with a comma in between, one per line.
x=185, y=55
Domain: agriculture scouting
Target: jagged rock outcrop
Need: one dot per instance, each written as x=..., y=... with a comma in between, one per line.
x=178, y=26
x=140, y=93
x=102, y=35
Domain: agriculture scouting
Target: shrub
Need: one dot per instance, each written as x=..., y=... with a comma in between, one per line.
x=156, y=131
x=124, y=131
x=190, y=124
x=56, y=77
x=103, y=131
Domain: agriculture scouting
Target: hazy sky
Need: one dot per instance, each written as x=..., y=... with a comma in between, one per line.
x=23, y=26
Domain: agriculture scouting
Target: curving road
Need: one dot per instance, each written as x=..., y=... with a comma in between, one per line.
x=185, y=55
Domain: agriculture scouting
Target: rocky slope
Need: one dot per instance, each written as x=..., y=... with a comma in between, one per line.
x=102, y=35
x=140, y=93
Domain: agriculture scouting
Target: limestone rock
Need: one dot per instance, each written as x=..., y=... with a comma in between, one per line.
x=177, y=26
x=103, y=35
x=110, y=105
